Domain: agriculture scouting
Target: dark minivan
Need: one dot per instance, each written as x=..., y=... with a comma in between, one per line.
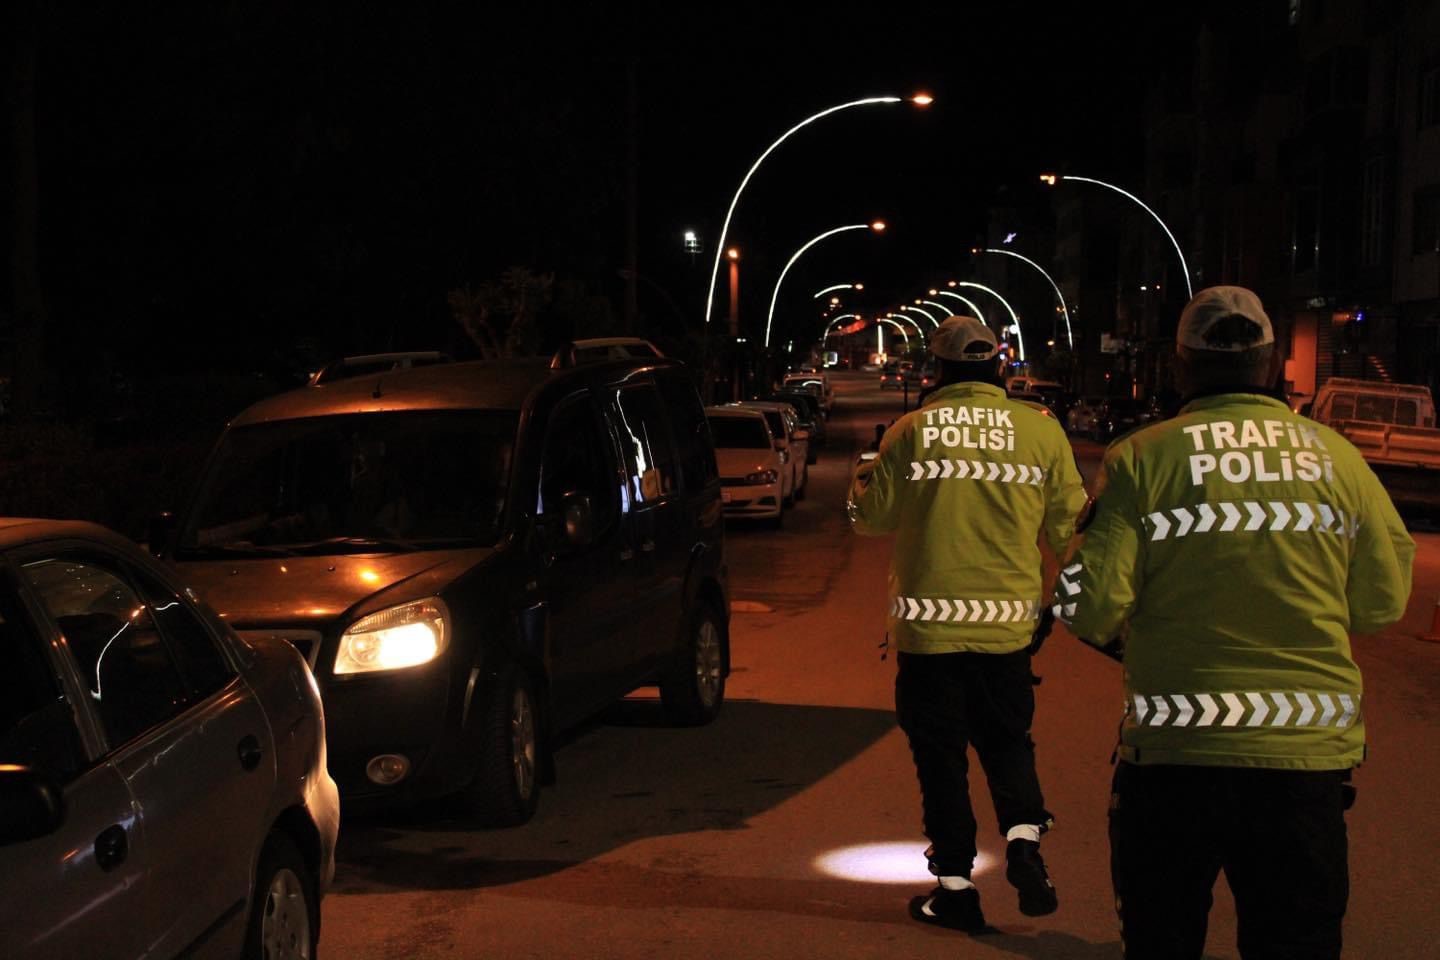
x=473, y=557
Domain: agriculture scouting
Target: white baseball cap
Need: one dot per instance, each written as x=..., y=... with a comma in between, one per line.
x=951, y=338
x=1209, y=322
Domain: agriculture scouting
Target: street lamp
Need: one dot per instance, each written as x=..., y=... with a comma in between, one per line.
x=1014, y=317
x=965, y=300
x=1049, y=178
x=944, y=310
x=838, y=286
x=919, y=99
x=878, y=226
x=910, y=320
x=903, y=332
x=830, y=326
x=925, y=313
x=1049, y=279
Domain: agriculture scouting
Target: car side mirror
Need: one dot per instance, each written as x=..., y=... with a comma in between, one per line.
x=579, y=512
x=159, y=532
x=31, y=805
x=780, y=444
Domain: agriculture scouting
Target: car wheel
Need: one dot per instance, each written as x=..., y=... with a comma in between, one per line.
x=285, y=906
x=777, y=522
x=506, y=788
x=693, y=690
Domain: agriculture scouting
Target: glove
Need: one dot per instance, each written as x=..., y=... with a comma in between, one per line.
x=1042, y=630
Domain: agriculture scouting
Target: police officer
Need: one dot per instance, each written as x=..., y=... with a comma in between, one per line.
x=1230, y=553
x=967, y=483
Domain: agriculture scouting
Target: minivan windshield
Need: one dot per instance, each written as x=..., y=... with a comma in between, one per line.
x=354, y=483
x=739, y=433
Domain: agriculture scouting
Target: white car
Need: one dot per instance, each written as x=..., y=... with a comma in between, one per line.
x=789, y=437
x=755, y=478
x=825, y=393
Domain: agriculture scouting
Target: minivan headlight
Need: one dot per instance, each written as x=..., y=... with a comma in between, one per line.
x=403, y=636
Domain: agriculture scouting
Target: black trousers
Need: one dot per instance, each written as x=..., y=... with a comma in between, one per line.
x=1279, y=835
x=946, y=702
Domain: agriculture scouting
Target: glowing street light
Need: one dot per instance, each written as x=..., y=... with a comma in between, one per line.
x=944, y=310
x=910, y=320
x=903, y=332
x=965, y=300
x=919, y=99
x=838, y=286
x=1014, y=317
x=1049, y=279
x=1184, y=267
x=877, y=226
x=831, y=325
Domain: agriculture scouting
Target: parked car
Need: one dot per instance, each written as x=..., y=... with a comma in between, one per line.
x=1081, y=416
x=892, y=377
x=811, y=413
x=1393, y=427
x=790, y=439
x=813, y=388
x=473, y=558
x=163, y=782
x=755, y=481
x=1119, y=416
x=808, y=381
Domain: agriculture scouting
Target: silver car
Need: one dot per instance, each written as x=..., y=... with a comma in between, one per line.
x=163, y=788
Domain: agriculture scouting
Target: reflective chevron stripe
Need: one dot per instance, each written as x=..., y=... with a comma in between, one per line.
x=1067, y=589
x=1244, y=709
x=976, y=470
x=950, y=610
x=1274, y=516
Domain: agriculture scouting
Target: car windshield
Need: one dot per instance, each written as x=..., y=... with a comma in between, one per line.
x=354, y=483
x=739, y=433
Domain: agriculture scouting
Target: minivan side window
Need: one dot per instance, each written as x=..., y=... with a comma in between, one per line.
x=37, y=722
x=578, y=459
x=692, y=429
x=645, y=442
x=124, y=664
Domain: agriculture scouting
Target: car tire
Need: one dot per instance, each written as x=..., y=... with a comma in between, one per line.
x=506, y=788
x=693, y=689
x=777, y=522
x=284, y=906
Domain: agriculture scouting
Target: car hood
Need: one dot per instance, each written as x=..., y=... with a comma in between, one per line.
x=738, y=463
x=304, y=591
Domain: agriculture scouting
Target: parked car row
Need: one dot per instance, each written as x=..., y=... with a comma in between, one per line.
x=459, y=561
x=764, y=451
x=1104, y=419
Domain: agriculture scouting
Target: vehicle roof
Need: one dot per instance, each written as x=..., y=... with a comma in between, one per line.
x=501, y=385
x=15, y=531
x=779, y=406
x=1375, y=386
x=732, y=411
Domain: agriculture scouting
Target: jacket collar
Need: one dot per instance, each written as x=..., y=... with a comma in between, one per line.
x=1238, y=398
x=966, y=388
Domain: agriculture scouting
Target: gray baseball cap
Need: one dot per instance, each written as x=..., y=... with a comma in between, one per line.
x=1224, y=320
x=949, y=341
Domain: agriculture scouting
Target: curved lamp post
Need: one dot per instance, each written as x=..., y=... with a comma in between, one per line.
x=831, y=324
x=878, y=226
x=944, y=310
x=838, y=286
x=920, y=100
x=1069, y=337
x=1050, y=178
x=924, y=313
x=1014, y=317
x=910, y=320
x=965, y=300
x=903, y=332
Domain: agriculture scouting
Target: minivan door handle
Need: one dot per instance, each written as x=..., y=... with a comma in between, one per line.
x=111, y=847
x=249, y=752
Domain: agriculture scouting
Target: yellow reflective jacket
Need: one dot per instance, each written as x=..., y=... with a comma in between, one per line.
x=1235, y=547
x=967, y=483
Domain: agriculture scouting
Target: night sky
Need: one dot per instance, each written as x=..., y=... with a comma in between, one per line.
x=236, y=187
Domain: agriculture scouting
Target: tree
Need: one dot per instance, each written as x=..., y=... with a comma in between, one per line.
x=501, y=317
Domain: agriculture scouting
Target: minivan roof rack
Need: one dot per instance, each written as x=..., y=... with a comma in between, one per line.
x=368, y=363
x=574, y=353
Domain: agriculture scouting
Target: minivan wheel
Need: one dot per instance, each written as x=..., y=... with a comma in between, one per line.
x=693, y=690
x=285, y=908
x=506, y=788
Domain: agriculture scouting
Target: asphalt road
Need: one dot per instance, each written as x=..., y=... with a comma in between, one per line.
x=791, y=826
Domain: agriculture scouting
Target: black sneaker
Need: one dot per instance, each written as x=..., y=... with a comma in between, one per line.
x=1026, y=872
x=956, y=909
